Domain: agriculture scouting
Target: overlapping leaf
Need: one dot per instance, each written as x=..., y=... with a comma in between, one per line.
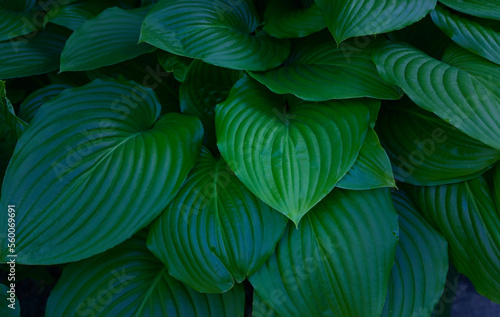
x=129, y=281
x=479, y=36
x=462, y=97
x=467, y=215
x=102, y=164
x=224, y=33
x=288, y=152
x=338, y=261
x=175, y=64
x=30, y=105
x=216, y=230
x=489, y=9
x=350, y=18
x=71, y=16
x=425, y=150
x=419, y=273
x=109, y=38
x=318, y=70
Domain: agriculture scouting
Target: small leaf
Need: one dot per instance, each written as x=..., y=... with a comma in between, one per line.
x=129, y=281
x=480, y=8
x=288, y=152
x=175, y=64
x=15, y=124
x=224, y=33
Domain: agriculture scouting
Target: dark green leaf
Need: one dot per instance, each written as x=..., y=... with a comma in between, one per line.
x=30, y=105
x=489, y=9
x=71, y=16
x=175, y=64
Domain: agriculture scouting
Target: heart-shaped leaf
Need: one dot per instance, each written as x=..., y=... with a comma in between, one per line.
x=30, y=105
x=338, y=261
x=129, y=281
x=216, y=230
x=98, y=161
x=224, y=33
x=467, y=215
x=481, y=8
x=289, y=19
x=318, y=70
x=350, y=18
x=288, y=152
x=479, y=36
x=419, y=272
x=109, y=38
x=425, y=150
x=462, y=97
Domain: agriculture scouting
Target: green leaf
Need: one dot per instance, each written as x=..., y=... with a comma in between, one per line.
x=175, y=64
x=444, y=306
x=372, y=168
x=37, y=54
x=9, y=118
x=349, y=18
x=419, y=273
x=425, y=150
x=71, y=16
x=8, y=307
x=456, y=95
x=489, y=9
x=109, y=38
x=204, y=87
x=288, y=152
x=289, y=19
x=98, y=161
x=318, y=70
x=467, y=215
x=224, y=33
x=479, y=36
x=338, y=261
x=30, y=105
x=216, y=230
x=15, y=23
x=129, y=281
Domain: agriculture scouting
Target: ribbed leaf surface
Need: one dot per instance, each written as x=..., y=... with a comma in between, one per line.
x=489, y=9
x=100, y=165
x=15, y=23
x=30, y=105
x=71, y=16
x=288, y=152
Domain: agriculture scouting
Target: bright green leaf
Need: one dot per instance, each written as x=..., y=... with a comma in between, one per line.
x=216, y=230
x=288, y=152
x=98, y=162
x=224, y=33
x=489, y=9
x=30, y=105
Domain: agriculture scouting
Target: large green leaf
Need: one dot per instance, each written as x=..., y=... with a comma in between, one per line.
x=71, y=16
x=9, y=304
x=419, y=273
x=289, y=18
x=216, y=230
x=98, y=162
x=109, y=38
x=338, y=261
x=35, y=55
x=30, y=105
x=489, y=9
x=462, y=97
x=318, y=70
x=479, y=36
x=288, y=152
x=204, y=87
x=468, y=215
x=222, y=32
x=425, y=150
x=129, y=281
x=372, y=168
x=350, y=18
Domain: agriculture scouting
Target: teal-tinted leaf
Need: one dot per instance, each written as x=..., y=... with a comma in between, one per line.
x=489, y=9
x=318, y=70
x=338, y=261
x=175, y=64
x=288, y=152
x=372, y=168
x=9, y=304
x=350, y=18
x=419, y=272
x=204, y=87
x=109, y=38
x=101, y=165
x=224, y=33
x=216, y=230
x=467, y=215
x=289, y=19
x=479, y=36
x=16, y=23
x=37, y=54
x=260, y=308
x=129, y=281
x=71, y=16
x=444, y=307
x=458, y=96
x=425, y=150
x=30, y=105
